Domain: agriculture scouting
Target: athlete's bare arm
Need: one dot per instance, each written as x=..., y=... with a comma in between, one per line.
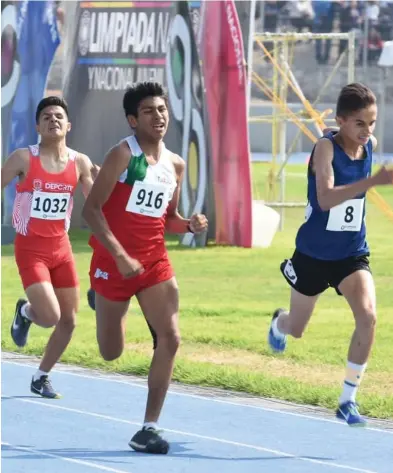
x=17, y=165
x=175, y=223
x=95, y=170
x=87, y=173
x=330, y=196
x=115, y=163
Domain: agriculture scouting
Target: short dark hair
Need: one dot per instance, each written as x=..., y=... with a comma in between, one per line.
x=354, y=97
x=140, y=91
x=48, y=102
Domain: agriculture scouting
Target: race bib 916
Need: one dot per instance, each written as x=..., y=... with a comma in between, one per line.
x=148, y=199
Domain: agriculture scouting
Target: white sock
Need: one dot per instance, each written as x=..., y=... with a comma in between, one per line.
x=39, y=373
x=276, y=331
x=150, y=425
x=24, y=312
x=352, y=381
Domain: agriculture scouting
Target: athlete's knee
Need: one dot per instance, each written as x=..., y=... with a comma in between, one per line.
x=169, y=340
x=109, y=351
x=111, y=354
x=366, y=319
x=48, y=317
x=68, y=323
x=110, y=343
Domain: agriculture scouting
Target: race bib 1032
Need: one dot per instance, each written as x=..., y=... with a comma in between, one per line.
x=49, y=205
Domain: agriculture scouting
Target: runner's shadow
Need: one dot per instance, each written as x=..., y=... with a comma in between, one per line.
x=182, y=450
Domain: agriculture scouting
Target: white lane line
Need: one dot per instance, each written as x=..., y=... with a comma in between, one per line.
x=202, y=437
x=108, y=378
x=96, y=466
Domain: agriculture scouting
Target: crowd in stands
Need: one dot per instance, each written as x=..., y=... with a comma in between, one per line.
x=333, y=16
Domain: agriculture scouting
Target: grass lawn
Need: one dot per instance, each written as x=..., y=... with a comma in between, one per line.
x=227, y=298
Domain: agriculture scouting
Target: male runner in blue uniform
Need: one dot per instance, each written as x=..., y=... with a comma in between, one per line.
x=331, y=247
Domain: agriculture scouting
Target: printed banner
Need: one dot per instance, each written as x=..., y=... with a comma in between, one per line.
x=112, y=46
x=188, y=134
x=29, y=45
x=225, y=77
x=116, y=44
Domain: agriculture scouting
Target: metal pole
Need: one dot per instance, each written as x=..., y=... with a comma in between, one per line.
x=262, y=14
x=275, y=121
x=365, y=45
x=267, y=36
x=283, y=130
x=299, y=135
x=250, y=53
x=301, y=95
x=351, y=57
x=382, y=112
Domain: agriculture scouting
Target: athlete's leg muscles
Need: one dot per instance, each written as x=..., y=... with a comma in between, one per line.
x=160, y=306
x=295, y=321
x=68, y=299
x=66, y=287
x=110, y=319
x=359, y=290
x=43, y=307
x=307, y=278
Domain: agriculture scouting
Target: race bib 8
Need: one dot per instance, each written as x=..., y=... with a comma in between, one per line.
x=148, y=199
x=346, y=217
x=49, y=205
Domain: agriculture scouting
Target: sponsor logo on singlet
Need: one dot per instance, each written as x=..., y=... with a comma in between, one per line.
x=55, y=186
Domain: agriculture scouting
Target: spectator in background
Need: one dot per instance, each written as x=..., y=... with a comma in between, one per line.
x=60, y=15
x=300, y=14
x=271, y=15
x=372, y=12
x=323, y=23
x=374, y=46
x=385, y=21
x=349, y=19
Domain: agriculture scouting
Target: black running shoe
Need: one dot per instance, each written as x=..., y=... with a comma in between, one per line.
x=20, y=325
x=149, y=441
x=44, y=388
x=91, y=299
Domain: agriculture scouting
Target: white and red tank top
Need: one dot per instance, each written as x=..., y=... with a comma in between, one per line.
x=137, y=207
x=44, y=200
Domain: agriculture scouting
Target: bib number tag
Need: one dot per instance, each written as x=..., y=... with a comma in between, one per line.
x=148, y=199
x=49, y=205
x=346, y=217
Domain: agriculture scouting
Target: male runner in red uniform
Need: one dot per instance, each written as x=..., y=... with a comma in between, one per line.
x=133, y=201
x=48, y=175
